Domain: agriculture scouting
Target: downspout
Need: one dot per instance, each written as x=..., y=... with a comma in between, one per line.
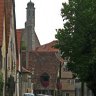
x=5, y=59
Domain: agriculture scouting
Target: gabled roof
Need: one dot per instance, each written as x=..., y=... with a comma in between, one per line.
x=18, y=33
x=19, y=36
x=49, y=47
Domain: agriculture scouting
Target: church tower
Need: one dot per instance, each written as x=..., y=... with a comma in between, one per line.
x=30, y=16
x=29, y=40
x=29, y=37
x=30, y=26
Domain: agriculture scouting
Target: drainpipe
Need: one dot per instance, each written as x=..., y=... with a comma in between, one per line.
x=5, y=58
x=20, y=74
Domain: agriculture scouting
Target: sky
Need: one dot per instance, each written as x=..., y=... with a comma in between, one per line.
x=47, y=17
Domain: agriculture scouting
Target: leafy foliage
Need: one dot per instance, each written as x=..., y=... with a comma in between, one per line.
x=77, y=40
x=1, y=84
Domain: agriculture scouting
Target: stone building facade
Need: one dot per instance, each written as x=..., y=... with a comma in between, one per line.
x=8, y=45
x=29, y=36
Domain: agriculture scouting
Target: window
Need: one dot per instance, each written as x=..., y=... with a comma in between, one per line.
x=71, y=81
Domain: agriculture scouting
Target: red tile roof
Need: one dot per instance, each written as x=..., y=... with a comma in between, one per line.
x=49, y=47
x=18, y=33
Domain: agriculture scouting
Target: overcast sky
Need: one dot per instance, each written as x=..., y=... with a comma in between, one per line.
x=47, y=17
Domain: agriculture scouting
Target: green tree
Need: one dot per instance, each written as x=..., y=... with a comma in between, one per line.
x=1, y=84
x=77, y=40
